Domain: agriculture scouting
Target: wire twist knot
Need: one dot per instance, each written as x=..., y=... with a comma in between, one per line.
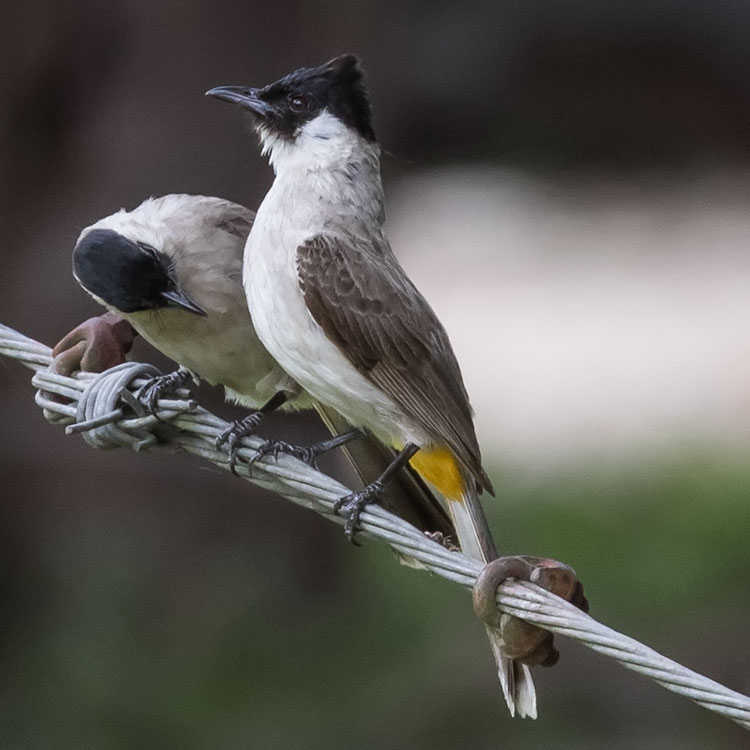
x=100, y=408
x=522, y=640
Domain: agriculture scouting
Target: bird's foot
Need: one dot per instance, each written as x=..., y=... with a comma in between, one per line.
x=235, y=432
x=351, y=506
x=307, y=453
x=443, y=540
x=162, y=385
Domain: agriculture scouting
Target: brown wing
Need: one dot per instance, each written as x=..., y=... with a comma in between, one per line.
x=361, y=297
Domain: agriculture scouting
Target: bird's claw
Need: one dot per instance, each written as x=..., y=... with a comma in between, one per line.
x=234, y=434
x=442, y=540
x=308, y=454
x=351, y=506
x=150, y=392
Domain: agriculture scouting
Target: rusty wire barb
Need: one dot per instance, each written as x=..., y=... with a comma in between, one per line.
x=97, y=410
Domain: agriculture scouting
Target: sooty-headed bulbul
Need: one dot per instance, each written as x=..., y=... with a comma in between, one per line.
x=334, y=307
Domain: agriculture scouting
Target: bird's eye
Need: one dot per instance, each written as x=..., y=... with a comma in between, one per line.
x=147, y=248
x=299, y=103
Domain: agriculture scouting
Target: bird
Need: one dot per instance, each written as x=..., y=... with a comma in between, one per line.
x=334, y=307
x=147, y=265
x=171, y=269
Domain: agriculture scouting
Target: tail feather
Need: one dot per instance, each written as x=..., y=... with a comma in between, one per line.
x=476, y=541
x=412, y=499
x=515, y=681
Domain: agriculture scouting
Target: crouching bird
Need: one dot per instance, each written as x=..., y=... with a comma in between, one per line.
x=336, y=310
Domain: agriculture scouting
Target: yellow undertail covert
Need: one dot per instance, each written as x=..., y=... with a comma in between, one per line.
x=438, y=467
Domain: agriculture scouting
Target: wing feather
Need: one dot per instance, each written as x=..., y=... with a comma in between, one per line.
x=358, y=293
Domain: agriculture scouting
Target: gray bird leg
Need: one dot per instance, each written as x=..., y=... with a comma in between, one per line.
x=351, y=506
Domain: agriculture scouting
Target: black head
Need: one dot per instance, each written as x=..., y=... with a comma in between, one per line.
x=286, y=105
x=129, y=276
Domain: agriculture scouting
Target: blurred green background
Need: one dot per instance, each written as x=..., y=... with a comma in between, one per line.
x=591, y=161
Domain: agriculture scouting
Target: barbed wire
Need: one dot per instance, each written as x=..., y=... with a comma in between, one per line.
x=99, y=410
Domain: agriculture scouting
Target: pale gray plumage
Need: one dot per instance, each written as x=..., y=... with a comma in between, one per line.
x=203, y=237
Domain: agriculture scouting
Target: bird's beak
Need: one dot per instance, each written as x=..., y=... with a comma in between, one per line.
x=178, y=298
x=244, y=96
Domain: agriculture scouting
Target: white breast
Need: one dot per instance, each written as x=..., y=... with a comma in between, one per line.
x=285, y=219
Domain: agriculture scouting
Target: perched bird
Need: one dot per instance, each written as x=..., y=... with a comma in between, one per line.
x=336, y=310
x=172, y=269
x=150, y=265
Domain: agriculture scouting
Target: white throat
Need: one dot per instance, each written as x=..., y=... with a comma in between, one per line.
x=322, y=143
x=327, y=175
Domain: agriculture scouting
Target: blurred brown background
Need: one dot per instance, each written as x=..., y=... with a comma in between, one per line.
x=569, y=184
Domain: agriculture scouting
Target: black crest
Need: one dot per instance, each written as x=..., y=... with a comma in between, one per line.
x=337, y=86
x=285, y=106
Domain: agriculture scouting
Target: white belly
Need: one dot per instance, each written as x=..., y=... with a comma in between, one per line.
x=300, y=346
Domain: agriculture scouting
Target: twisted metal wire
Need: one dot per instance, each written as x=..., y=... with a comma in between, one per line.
x=100, y=412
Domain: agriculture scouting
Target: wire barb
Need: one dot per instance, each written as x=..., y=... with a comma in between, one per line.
x=196, y=433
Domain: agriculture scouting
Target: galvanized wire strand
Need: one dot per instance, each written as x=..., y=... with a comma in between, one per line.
x=532, y=603
x=108, y=421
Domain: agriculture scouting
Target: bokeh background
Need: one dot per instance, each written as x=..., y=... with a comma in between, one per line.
x=569, y=184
